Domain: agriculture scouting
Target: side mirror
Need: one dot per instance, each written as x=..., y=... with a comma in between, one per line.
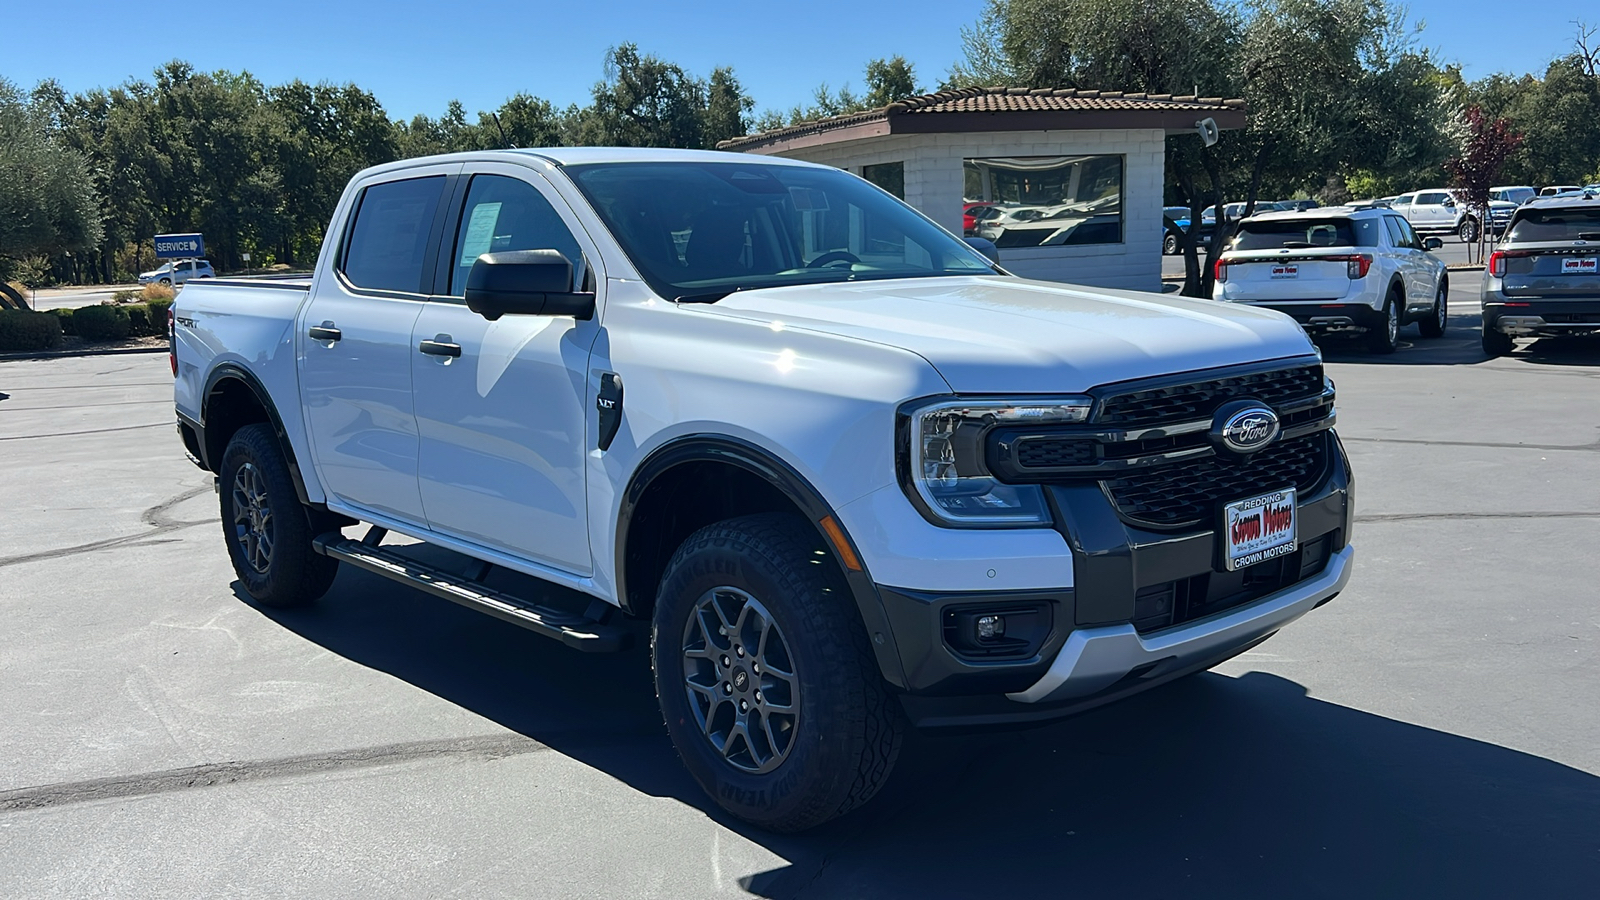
x=525, y=283
x=1449, y=203
x=1432, y=243
x=986, y=247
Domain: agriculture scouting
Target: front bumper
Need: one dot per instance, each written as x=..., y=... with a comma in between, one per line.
x=1146, y=606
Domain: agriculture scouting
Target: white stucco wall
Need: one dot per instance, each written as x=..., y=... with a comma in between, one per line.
x=934, y=185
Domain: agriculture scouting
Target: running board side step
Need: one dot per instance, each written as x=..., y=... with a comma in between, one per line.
x=573, y=629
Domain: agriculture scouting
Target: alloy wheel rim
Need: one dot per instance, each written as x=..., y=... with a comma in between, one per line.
x=741, y=681
x=1393, y=324
x=252, y=518
x=1442, y=313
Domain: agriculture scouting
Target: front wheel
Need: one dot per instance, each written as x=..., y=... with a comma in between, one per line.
x=1468, y=231
x=765, y=676
x=267, y=529
x=166, y=282
x=1433, y=326
x=1169, y=246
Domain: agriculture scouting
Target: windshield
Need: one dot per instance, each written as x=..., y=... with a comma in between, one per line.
x=1577, y=223
x=700, y=231
x=1305, y=233
x=1516, y=195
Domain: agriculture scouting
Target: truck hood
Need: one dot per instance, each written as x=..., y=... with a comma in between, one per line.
x=995, y=334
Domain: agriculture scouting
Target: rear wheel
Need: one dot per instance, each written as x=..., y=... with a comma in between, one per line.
x=268, y=530
x=1386, y=337
x=1433, y=326
x=1468, y=230
x=1169, y=246
x=1495, y=343
x=765, y=676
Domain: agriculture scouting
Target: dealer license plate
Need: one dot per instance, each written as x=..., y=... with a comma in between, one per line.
x=1258, y=529
x=1285, y=271
x=1579, y=265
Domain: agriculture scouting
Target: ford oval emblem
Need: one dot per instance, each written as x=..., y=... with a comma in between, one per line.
x=1245, y=426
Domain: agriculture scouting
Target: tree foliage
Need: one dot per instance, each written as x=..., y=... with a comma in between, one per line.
x=47, y=199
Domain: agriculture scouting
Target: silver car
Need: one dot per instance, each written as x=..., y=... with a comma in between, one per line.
x=177, y=272
x=1543, y=280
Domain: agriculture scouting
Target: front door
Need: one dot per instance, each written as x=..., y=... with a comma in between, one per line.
x=503, y=424
x=354, y=339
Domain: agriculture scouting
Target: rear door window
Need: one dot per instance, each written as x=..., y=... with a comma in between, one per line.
x=388, y=243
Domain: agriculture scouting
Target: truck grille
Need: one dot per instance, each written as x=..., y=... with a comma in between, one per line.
x=1199, y=399
x=1190, y=491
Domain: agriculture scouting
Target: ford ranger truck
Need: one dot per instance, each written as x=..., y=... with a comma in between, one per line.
x=850, y=476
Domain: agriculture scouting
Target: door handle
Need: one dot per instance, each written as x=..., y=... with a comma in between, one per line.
x=440, y=346
x=324, y=332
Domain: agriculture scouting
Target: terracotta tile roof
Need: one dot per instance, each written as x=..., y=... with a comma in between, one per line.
x=996, y=100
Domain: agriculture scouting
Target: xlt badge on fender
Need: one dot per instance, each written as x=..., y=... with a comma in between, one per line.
x=1244, y=426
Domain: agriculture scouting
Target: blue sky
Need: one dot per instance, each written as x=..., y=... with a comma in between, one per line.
x=416, y=56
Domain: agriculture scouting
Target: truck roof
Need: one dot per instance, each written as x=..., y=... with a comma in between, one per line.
x=574, y=156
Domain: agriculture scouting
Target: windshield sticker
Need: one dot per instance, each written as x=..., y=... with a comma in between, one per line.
x=480, y=232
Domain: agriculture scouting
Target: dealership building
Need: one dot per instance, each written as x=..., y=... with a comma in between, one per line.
x=1067, y=183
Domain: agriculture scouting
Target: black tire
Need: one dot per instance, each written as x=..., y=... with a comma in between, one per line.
x=838, y=748
x=1386, y=338
x=289, y=572
x=166, y=282
x=1496, y=343
x=1169, y=245
x=1439, y=317
x=1468, y=230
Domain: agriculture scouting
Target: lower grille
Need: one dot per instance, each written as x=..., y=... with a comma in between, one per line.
x=1191, y=491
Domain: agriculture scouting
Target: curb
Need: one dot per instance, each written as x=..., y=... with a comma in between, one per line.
x=67, y=354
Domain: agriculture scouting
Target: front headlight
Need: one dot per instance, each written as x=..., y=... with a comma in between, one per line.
x=944, y=466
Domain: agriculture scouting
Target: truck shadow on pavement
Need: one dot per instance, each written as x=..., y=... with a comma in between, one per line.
x=1210, y=787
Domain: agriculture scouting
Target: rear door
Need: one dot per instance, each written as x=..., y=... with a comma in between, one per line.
x=1567, y=271
x=354, y=338
x=503, y=425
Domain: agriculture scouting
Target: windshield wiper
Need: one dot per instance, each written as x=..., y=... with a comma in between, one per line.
x=1297, y=245
x=709, y=297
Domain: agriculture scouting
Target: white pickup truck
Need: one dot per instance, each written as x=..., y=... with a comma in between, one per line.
x=848, y=474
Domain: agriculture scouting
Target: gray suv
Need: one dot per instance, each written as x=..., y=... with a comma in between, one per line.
x=1543, y=280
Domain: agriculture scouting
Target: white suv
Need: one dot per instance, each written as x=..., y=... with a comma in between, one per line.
x=1338, y=270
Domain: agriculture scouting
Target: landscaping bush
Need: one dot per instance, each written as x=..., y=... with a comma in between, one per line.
x=158, y=315
x=125, y=296
x=138, y=320
x=64, y=316
x=157, y=291
x=25, y=330
x=102, y=323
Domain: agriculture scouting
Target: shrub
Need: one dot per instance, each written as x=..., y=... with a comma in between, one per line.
x=138, y=319
x=102, y=323
x=158, y=315
x=64, y=316
x=24, y=330
x=157, y=291
x=124, y=296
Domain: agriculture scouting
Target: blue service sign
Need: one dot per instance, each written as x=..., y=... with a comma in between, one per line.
x=179, y=246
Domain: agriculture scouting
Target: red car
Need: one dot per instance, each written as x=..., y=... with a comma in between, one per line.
x=969, y=222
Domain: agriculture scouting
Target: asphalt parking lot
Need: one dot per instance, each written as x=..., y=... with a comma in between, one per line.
x=1430, y=733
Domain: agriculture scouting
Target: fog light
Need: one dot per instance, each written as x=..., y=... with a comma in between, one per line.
x=991, y=627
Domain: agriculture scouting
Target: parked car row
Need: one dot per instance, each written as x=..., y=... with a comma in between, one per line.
x=177, y=272
x=1369, y=272
x=1182, y=215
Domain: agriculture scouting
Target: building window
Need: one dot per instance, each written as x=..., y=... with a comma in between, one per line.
x=889, y=176
x=1044, y=201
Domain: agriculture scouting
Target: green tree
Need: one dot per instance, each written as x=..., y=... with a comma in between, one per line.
x=47, y=199
x=890, y=80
